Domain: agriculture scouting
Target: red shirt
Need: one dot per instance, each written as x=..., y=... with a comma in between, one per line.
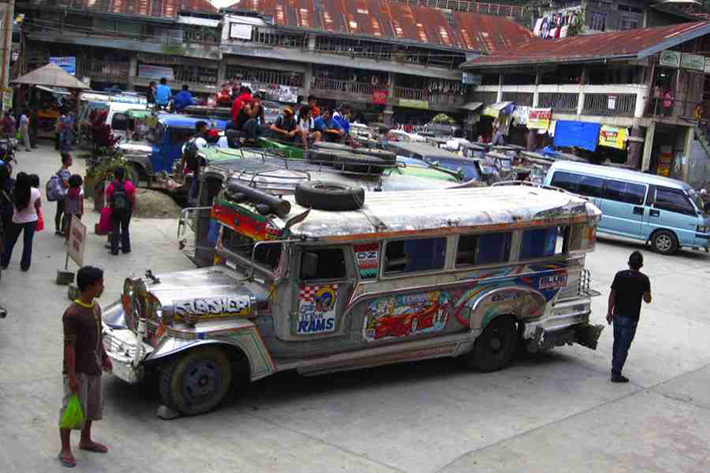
x=130, y=190
x=238, y=104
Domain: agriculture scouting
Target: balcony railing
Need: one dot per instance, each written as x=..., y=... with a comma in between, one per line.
x=661, y=107
x=344, y=86
x=521, y=99
x=609, y=104
x=195, y=75
x=486, y=98
x=264, y=76
x=108, y=69
x=408, y=93
x=558, y=101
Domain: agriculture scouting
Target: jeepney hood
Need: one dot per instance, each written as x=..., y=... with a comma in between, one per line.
x=136, y=148
x=213, y=292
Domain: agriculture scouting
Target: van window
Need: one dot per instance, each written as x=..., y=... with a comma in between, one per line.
x=406, y=256
x=543, y=242
x=626, y=192
x=673, y=200
x=486, y=248
x=591, y=186
x=331, y=264
x=119, y=122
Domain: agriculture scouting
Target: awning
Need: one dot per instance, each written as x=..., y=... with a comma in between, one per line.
x=51, y=75
x=577, y=134
x=496, y=109
x=471, y=106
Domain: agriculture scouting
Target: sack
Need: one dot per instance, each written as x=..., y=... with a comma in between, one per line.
x=119, y=199
x=73, y=417
x=54, y=190
x=105, y=224
x=40, y=220
x=191, y=155
x=18, y=135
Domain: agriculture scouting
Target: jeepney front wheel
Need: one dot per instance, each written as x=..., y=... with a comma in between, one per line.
x=197, y=381
x=495, y=347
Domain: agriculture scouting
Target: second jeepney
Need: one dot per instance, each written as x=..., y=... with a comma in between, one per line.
x=388, y=278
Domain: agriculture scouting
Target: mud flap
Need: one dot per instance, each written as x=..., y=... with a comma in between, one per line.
x=588, y=335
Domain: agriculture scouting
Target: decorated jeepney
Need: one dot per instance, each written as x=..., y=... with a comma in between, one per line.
x=335, y=278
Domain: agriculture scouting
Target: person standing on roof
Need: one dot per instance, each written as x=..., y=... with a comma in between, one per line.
x=163, y=94
x=183, y=99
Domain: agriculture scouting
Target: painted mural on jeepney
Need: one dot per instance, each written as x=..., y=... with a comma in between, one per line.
x=206, y=307
x=316, y=309
x=406, y=314
x=367, y=259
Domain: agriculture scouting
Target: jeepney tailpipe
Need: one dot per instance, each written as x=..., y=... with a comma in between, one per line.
x=274, y=204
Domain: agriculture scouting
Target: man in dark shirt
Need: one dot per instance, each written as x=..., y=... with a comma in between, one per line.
x=84, y=359
x=627, y=291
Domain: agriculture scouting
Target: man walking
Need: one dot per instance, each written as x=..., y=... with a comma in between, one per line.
x=122, y=200
x=60, y=219
x=84, y=359
x=627, y=291
x=25, y=130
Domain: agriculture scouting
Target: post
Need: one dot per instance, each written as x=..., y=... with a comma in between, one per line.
x=8, y=15
x=132, y=71
x=499, y=97
x=685, y=164
x=648, y=147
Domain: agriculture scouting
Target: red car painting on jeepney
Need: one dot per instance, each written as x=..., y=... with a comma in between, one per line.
x=406, y=316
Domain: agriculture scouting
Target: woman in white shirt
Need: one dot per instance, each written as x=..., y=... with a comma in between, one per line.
x=27, y=200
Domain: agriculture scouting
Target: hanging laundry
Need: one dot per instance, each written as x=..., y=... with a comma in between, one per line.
x=563, y=31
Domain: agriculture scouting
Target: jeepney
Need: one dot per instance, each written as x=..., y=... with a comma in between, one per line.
x=471, y=274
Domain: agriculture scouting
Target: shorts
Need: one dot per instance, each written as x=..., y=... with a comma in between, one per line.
x=91, y=396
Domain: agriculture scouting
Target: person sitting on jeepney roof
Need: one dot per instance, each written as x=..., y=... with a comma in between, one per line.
x=307, y=123
x=249, y=116
x=183, y=99
x=313, y=103
x=242, y=99
x=330, y=129
x=285, y=127
x=163, y=94
x=343, y=117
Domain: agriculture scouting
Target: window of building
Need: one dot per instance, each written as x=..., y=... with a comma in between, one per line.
x=405, y=256
x=627, y=23
x=330, y=264
x=673, y=200
x=625, y=192
x=543, y=242
x=489, y=248
x=598, y=22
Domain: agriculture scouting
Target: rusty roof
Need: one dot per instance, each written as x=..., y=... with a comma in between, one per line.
x=630, y=43
x=392, y=20
x=149, y=8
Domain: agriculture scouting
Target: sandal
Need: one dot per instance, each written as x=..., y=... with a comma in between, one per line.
x=67, y=462
x=95, y=447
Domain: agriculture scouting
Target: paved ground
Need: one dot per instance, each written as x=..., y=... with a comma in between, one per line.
x=555, y=412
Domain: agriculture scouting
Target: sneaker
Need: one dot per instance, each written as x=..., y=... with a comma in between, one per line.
x=619, y=379
x=114, y=253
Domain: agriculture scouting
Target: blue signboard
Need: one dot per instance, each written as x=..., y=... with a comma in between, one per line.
x=66, y=63
x=577, y=134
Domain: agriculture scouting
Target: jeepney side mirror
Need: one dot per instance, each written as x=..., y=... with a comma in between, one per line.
x=309, y=265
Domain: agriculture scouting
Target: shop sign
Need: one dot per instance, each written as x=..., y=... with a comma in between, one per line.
x=613, y=137
x=410, y=103
x=471, y=79
x=240, y=31
x=539, y=118
x=379, y=97
x=692, y=61
x=611, y=102
x=77, y=241
x=146, y=71
x=669, y=59
x=66, y=63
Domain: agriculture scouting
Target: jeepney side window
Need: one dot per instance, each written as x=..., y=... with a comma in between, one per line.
x=544, y=242
x=406, y=256
x=487, y=248
x=329, y=263
x=268, y=255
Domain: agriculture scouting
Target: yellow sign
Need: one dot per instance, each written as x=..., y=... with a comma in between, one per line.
x=423, y=104
x=539, y=118
x=613, y=137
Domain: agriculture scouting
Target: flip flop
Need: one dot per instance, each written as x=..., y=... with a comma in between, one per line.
x=96, y=448
x=67, y=462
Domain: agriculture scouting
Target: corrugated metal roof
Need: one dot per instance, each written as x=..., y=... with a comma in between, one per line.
x=631, y=43
x=392, y=20
x=153, y=8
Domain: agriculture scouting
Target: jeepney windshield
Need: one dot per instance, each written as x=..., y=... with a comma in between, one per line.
x=268, y=256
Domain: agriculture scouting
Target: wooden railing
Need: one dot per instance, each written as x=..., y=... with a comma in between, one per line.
x=344, y=86
x=87, y=68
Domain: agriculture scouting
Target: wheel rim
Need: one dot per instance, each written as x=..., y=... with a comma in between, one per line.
x=663, y=242
x=201, y=382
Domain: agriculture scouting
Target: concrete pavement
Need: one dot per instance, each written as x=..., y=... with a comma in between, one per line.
x=552, y=412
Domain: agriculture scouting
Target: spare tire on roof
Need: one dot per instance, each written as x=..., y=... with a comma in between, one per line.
x=324, y=155
x=327, y=195
x=387, y=157
x=359, y=163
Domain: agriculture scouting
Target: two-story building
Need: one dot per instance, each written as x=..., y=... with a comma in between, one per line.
x=388, y=58
x=636, y=93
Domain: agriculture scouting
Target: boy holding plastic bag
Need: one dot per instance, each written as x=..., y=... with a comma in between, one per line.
x=84, y=360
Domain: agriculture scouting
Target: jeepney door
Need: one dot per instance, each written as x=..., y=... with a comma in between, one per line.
x=323, y=282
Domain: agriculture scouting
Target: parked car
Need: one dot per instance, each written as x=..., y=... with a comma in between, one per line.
x=664, y=212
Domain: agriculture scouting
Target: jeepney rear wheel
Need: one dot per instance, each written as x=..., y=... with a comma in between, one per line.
x=197, y=381
x=495, y=347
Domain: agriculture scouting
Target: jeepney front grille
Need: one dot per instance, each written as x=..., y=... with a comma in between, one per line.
x=116, y=346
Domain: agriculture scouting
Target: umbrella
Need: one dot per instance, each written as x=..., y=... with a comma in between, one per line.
x=51, y=75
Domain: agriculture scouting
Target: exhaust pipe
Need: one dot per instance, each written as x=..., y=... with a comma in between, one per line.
x=266, y=203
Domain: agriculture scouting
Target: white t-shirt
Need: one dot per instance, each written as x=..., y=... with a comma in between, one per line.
x=222, y=142
x=29, y=213
x=199, y=142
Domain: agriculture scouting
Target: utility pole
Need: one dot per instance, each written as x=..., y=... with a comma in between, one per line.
x=7, y=14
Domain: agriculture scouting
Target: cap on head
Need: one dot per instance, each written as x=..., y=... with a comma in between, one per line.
x=288, y=111
x=636, y=260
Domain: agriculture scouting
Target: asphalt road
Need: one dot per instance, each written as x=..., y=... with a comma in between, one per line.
x=551, y=412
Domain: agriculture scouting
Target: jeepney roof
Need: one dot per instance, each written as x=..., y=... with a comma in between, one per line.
x=452, y=210
x=186, y=121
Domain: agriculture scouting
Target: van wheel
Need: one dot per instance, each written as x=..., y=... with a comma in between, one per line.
x=664, y=242
x=325, y=195
x=495, y=347
x=197, y=381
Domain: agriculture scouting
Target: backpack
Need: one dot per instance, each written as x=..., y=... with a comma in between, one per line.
x=119, y=199
x=191, y=159
x=54, y=189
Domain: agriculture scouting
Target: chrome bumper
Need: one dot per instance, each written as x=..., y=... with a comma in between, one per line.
x=126, y=353
x=565, y=324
